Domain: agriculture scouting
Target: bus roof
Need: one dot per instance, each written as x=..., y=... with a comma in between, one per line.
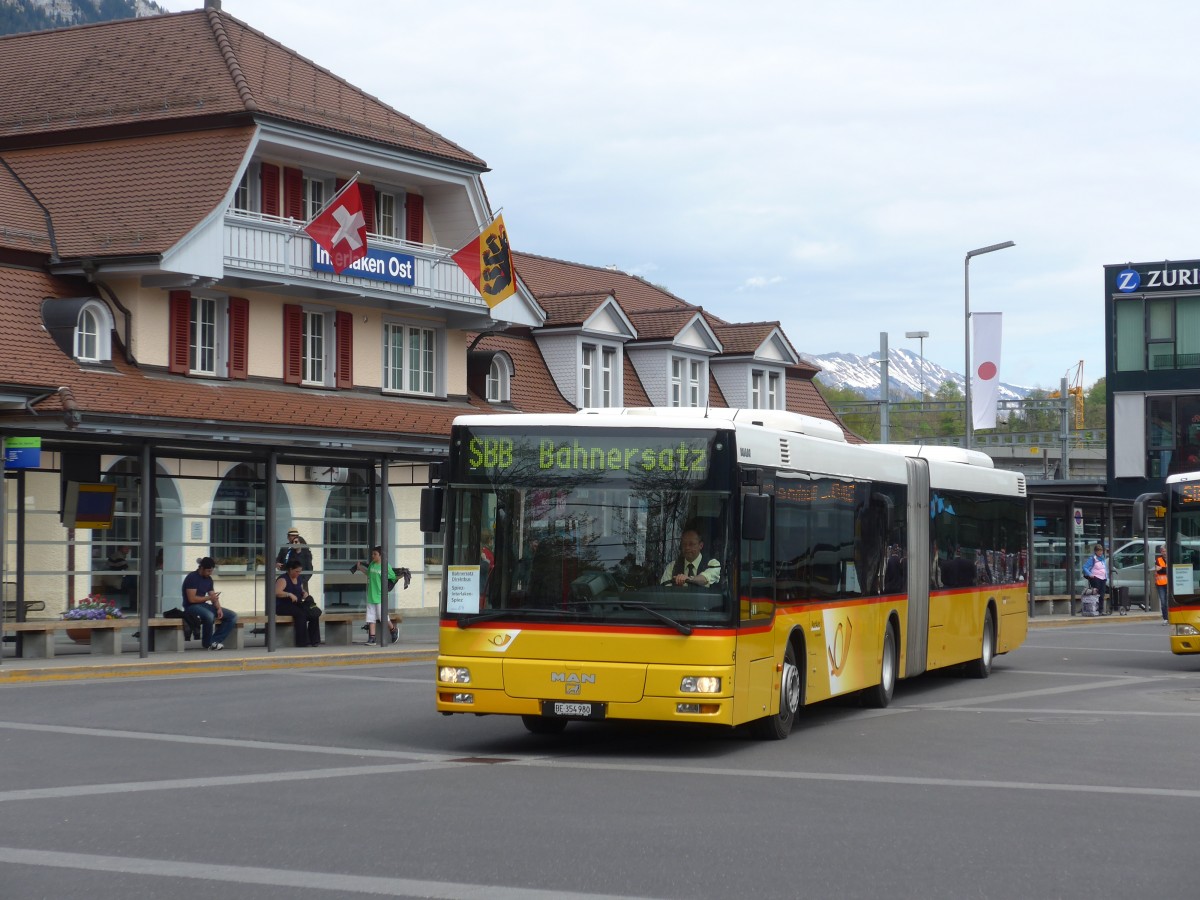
x=1183, y=477
x=786, y=440
x=667, y=417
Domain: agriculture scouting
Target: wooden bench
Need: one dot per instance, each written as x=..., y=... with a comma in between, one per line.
x=37, y=635
x=339, y=627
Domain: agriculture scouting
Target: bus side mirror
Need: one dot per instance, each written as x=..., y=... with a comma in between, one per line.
x=432, y=499
x=755, y=510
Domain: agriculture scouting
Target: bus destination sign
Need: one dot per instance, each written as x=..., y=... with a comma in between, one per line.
x=624, y=454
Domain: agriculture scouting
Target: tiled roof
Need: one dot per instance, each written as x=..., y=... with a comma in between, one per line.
x=715, y=396
x=570, y=309
x=543, y=275
x=532, y=389
x=108, y=198
x=662, y=324
x=22, y=223
x=172, y=71
x=30, y=360
x=631, y=385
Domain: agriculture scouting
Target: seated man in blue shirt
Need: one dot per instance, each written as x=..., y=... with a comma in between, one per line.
x=692, y=566
x=200, y=598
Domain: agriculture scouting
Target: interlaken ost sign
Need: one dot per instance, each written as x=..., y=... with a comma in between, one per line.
x=380, y=265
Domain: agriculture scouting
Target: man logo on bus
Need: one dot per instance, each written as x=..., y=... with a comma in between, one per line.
x=839, y=649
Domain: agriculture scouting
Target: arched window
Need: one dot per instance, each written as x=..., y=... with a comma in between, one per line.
x=346, y=524
x=499, y=379
x=238, y=513
x=93, y=333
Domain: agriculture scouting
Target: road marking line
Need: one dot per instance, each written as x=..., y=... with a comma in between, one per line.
x=328, y=881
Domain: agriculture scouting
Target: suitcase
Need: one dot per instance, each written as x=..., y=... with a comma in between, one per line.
x=1090, y=604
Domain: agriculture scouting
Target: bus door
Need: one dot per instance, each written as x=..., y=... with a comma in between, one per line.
x=916, y=630
x=755, y=662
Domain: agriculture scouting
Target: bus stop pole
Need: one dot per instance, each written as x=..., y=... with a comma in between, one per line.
x=268, y=547
x=385, y=596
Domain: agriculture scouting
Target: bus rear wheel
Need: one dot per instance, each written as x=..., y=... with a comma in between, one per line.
x=543, y=725
x=880, y=695
x=779, y=726
x=982, y=667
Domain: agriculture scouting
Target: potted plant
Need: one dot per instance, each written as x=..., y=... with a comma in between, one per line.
x=232, y=565
x=91, y=608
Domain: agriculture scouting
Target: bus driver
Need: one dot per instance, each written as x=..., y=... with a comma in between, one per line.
x=692, y=566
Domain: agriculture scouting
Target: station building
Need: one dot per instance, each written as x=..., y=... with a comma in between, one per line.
x=169, y=328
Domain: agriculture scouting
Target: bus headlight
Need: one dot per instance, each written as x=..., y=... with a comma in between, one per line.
x=1184, y=629
x=454, y=675
x=700, y=684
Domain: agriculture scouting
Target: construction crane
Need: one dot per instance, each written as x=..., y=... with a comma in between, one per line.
x=1074, y=389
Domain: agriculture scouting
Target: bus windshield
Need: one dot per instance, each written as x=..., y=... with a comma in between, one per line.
x=590, y=527
x=1183, y=550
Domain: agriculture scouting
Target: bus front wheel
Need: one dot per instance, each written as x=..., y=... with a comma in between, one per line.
x=779, y=726
x=543, y=725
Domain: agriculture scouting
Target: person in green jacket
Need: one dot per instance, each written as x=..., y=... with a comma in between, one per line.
x=375, y=594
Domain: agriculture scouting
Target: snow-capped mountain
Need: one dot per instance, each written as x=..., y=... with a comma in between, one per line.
x=905, y=373
x=17, y=16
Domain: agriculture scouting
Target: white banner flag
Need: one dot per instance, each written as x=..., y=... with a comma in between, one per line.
x=985, y=379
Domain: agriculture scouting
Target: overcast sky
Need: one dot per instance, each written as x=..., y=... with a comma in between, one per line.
x=827, y=165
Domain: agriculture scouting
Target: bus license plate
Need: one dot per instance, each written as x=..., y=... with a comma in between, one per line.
x=574, y=710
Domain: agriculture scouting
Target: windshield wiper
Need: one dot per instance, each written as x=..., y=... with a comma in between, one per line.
x=683, y=629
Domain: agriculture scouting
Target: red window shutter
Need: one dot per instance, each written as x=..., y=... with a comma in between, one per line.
x=293, y=338
x=269, y=176
x=344, y=326
x=414, y=218
x=368, y=202
x=239, y=336
x=293, y=193
x=181, y=331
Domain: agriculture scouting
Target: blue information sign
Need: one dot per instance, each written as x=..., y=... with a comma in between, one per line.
x=380, y=265
x=22, y=452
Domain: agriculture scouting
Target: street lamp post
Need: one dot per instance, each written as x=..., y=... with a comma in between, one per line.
x=921, y=335
x=967, y=328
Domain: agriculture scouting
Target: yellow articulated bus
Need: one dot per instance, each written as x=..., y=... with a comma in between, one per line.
x=720, y=566
x=1182, y=501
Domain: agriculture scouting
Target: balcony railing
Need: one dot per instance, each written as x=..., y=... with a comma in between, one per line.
x=273, y=250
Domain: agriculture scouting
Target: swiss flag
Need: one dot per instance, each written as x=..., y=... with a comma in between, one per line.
x=341, y=228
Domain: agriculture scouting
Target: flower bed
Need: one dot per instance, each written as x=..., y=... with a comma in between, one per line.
x=93, y=607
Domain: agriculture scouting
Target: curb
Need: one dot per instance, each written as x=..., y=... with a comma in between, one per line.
x=1110, y=619
x=226, y=664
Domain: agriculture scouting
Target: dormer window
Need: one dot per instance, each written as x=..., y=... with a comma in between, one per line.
x=93, y=333
x=688, y=381
x=765, y=390
x=499, y=379
x=599, y=385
